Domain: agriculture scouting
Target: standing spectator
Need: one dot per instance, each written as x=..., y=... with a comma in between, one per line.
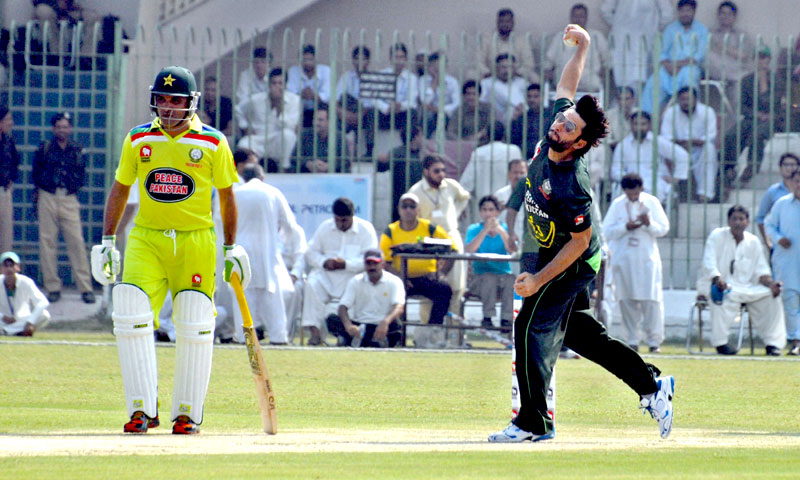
x=59, y=171
x=312, y=82
x=633, y=24
x=441, y=200
x=471, y=120
x=635, y=155
x=22, y=305
x=788, y=163
x=753, y=128
x=731, y=50
x=516, y=47
x=682, y=53
x=270, y=120
x=217, y=109
x=693, y=126
x=406, y=164
x=264, y=215
x=311, y=153
x=357, y=113
x=253, y=80
x=526, y=129
x=403, y=108
x=619, y=117
x=425, y=277
x=9, y=172
x=335, y=255
x=491, y=280
x=517, y=170
x=735, y=271
x=293, y=251
x=487, y=169
x=783, y=227
x=430, y=91
x=558, y=54
x=374, y=300
x=633, y=224
x=505, y=92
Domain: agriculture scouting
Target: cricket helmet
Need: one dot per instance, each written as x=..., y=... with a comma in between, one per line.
x=177, y=82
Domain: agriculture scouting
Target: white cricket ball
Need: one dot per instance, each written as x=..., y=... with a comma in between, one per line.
x=570, y=42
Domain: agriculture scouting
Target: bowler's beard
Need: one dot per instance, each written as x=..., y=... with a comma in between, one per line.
x=557, y=146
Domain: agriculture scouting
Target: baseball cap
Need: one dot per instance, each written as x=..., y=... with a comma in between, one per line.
x=373, y=255
x=9, y=256
x=409, y=196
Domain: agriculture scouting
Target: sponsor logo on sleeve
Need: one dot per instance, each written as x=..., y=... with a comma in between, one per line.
x=168, y=185
x=197, y=280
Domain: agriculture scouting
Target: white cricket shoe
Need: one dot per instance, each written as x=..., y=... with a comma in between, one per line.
x=514, y=434
x=659, y=404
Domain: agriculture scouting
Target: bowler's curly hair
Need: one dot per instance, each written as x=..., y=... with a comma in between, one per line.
x=596, y=122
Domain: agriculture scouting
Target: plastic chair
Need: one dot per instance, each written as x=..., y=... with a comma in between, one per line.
x=700, y=305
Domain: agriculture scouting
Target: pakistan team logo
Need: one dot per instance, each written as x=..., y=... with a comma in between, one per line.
x=195, y=154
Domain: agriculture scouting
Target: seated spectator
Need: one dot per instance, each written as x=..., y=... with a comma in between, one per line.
x=788, y=163
x=517, y=170
x=403, y=109
x=783, y=227
x=693, y=125
x=635, y=155
x=271, y=134
x=241, y=159
x=420, y=63
x=425, y=277
x=753, y=129
x=788, y=67
x=682, y=53
x=370, y=308
x=22, y=305
x=735, y=271
x=471, y=120
x=311, y=153
x=9, y=172
x=253, y=80
x=311, y=81
x=505, y=92
x=429, y=93
x=491, y=280
x=334, y=256
x=526, y=129
x=487, y=169
x=357, y=113
x=406, y=164
x=633, y=224
x=216, y=110
x=619, y=117
x=558, y=54
x=633, y=24
x=731, y=50
x=71, y=12
x=516, y=46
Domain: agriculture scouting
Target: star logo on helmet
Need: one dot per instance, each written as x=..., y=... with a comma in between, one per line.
x=168, y=80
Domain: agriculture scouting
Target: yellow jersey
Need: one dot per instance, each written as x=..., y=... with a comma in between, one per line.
x=394, y=235
x=176, y=174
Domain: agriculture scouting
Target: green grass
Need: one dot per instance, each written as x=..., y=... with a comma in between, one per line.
x=72, y=389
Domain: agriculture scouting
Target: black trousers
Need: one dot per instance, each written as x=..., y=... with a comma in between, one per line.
x=393, y=335
x=559, y=313
x=437, y=291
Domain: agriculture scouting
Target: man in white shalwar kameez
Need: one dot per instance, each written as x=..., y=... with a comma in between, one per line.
x=293, y=250
x=264, y=214
x=335, y=254
x=632, y=226
x=23, y=307
x=734, y=261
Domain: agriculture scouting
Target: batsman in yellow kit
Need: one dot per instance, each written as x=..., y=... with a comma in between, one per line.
x=177, y=160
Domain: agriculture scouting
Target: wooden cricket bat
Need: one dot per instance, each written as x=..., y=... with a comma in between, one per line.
x=266, y=396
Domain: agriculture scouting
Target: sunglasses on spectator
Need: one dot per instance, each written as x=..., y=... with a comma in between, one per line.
x=408, y=205
x=569, y=125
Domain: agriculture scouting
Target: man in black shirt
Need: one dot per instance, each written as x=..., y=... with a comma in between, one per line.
x=525, y=128
x=59, y=171
x=556, y=306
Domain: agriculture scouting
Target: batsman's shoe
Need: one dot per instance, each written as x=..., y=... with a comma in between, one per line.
x=514, y=434
x=140, y=423
x=659, y=405
x=184, y=426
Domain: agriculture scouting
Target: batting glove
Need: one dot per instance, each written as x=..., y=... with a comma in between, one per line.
x=236, y=260
x=105, y=261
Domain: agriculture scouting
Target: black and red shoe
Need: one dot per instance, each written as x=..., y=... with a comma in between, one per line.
x=184, y=426
x=140, y=423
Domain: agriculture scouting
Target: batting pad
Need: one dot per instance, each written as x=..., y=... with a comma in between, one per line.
x=193, y=315
x=133, y=327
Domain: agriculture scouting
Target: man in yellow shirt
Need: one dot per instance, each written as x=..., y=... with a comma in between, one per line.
x=176, y=160
x=424, y=278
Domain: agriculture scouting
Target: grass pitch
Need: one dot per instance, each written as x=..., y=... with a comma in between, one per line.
x=390, y=414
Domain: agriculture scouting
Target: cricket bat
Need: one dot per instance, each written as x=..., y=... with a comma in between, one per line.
x=266, y=396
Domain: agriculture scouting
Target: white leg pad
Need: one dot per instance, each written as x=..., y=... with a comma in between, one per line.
x=133, y=327
x=194, y=335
